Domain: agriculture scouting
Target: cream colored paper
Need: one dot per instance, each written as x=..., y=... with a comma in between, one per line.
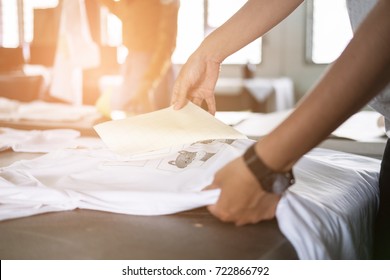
x=163, y=128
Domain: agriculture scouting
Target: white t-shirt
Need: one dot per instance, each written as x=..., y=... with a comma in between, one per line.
x=358, y=10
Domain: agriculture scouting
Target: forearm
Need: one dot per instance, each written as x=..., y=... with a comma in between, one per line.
x=253, y=20
x=357, y=76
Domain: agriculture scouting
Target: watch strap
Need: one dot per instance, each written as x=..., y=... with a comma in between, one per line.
x=270, y=181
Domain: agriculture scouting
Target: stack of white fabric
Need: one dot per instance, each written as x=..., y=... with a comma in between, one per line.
x=37, y=141
x=330, y=211
x=12, y=110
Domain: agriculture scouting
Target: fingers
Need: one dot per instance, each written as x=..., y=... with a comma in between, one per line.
x=213, y=186
x=180, y=102
x=228, y=217
x=239, y=219
x=197, y=101
x=224, y=216
x=211, y=105
x=179, y=96
x=250, y=213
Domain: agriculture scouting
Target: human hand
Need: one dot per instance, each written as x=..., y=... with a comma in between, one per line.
x=242, y=200
x=196, y=81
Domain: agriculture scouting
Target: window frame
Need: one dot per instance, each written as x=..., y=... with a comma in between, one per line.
x=309, y=22
x=309, y=35
x=25, y=36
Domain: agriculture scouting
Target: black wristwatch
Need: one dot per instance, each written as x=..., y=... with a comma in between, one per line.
x=270, y=181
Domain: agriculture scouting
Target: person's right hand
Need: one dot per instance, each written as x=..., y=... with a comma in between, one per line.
x=196, y=82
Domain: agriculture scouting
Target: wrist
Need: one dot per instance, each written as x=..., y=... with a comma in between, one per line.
x=270, y=180
x=208, y=52
x=269, y=153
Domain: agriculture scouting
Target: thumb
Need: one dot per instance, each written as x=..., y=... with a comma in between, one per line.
x=213, y=186
x=211, y=209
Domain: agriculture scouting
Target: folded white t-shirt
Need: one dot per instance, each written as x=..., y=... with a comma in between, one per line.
x=36, y=141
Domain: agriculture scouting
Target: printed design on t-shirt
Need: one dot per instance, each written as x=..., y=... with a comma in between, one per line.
x=178, y=159
x=194, y=155
x=185, y=158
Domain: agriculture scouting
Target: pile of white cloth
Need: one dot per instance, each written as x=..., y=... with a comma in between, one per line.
x=13, y=110
x=37, y=141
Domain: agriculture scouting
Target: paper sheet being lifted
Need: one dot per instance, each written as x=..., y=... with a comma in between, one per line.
x=163, y=128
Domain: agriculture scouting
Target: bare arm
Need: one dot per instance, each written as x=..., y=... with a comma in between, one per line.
x=199, y=75
x=253, y=20
x=359, y=74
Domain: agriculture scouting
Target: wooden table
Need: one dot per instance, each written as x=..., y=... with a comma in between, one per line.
x=85, y=234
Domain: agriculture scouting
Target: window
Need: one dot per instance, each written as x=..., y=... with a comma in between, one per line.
x=9, y=23
x=329, y=30
x=16, y=20
x=197, y=18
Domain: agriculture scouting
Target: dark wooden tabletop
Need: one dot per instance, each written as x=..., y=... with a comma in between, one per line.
x=86, y=234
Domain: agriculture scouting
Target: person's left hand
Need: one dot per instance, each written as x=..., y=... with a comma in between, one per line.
x=142, y=101
x=242, y=200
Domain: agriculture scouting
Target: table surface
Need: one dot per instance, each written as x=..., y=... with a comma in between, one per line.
x=85, y=126
x=86, y=234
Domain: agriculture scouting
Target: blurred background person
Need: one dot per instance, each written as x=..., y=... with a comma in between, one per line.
x=149, y=29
